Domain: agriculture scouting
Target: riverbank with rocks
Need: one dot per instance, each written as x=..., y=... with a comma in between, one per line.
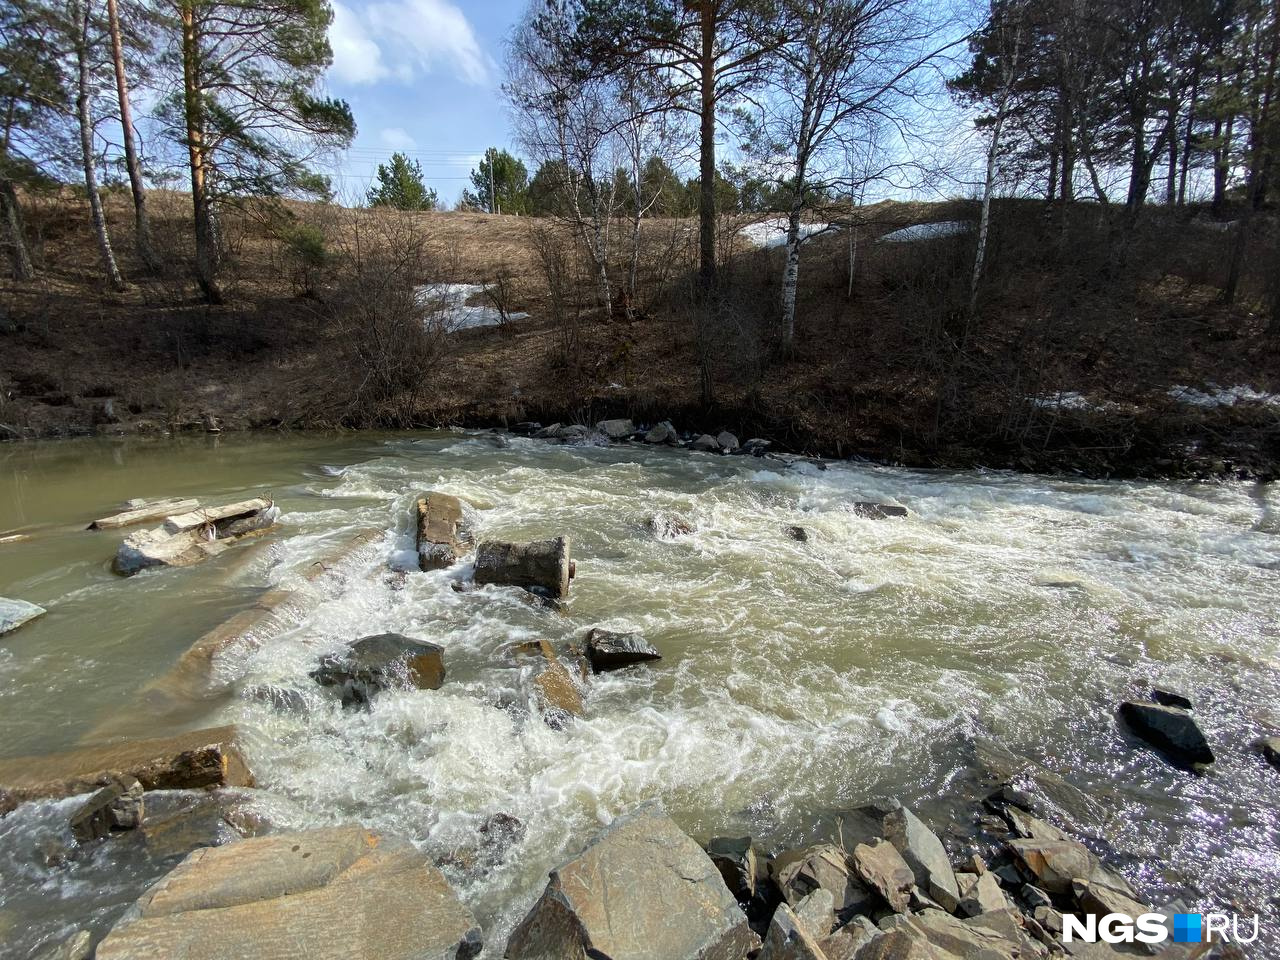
x=881, y=884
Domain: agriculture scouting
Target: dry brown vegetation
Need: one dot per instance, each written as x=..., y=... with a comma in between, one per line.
x=321, y=331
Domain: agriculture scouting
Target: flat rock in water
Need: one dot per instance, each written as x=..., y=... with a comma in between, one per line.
x=557, y=694
x=140, y=511
x=325, y=894
x=199, y=758
x=14, y=613
x=641, y=891
x=607, y=650
x=441, y=535
x=1171, y=730
x=192, y=537
x=388, y=661
x=541, y=565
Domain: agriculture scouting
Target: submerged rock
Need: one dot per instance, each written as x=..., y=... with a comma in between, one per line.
x=384, y=662
x=321, y=894
x=1172, y=730
x=198, y=758
x=616, y=429
x=14, y=613
x=607, y=650
x=117, y=806
x=641, y=891
x=541, y=565
x=669, y=526
x=799, y=534
x=78, y=946
x=662, y=433
x=878, y=511
x=441, y=531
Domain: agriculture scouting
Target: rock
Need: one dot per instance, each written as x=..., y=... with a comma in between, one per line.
x=881, y=867
x=140, y=511
x=557, y=694
x=1034, y=897
x=526, y=428
x=14, y=613
x=662, y=433
x=192, y=537
x=817, y=913
x=607, y=650
x=442, y=536
x=1170, y=698
x=735, y=858
x=982, y=896
x=728, y=442
x=1001, y=767
x=878, y=511
x=949, y=937
x=574, y=431
x=789, y=939
x=498, y=834
x=706, y=443
x=1100, y=898
x=547, y=433
x=1269, y=747
x=180, y=821
x=798, y=533
x=317, y=894
x=798, y=873
x=199, y=758
x=668, y=526
x=1055, y=863
x=756, y=447
x=117, y=806
x=1031, y=828
x=845, y=942
x=641, y=891
x=78, y=946
x=388, y=661
x=616, y=429
x=924, y=854
x=1171, y=730
x=541, y=565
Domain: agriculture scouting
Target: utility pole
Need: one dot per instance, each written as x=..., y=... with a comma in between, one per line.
x=493, y=193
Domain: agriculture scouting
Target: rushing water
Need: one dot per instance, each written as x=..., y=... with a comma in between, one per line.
x=797, y=677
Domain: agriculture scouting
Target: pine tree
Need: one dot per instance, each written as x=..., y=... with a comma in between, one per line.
x=399, y=184
x=501, y=184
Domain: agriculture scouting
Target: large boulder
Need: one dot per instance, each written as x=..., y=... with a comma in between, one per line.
x=199, y=758
x=728, y=442
x=441, y=531
x=543, y=566
x=882, y=868
x=735, y=858
x=1171, y=730
x=1055, y=863
x=388, y=661
x=662, y=433
x=14, y=613
x=641, y=891
x=924, y=854
x=789, y=938
x=616, y=429
x=192, y=537
x=607, y=650
x=706, y=443
x=326, y=894
x=798, y=873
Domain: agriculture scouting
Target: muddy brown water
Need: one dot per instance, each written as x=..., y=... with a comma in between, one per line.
x=798, y=678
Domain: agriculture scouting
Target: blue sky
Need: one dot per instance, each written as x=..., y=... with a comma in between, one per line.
x=423, y=77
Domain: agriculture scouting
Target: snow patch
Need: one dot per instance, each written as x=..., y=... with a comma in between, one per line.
x=446, y=304
x=1216, y=396
x=928, y=231
x=773, y=233
x=1062, y=400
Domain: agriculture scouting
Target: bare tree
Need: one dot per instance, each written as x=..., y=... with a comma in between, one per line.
x=142, y=224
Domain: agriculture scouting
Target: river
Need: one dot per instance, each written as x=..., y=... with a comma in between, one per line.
x=798, y=678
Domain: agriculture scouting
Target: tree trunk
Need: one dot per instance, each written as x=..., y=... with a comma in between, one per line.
x=85, y=121
x=984, y=219
x=1053, y=176
x=14, y=235
x=1171, y=186
x=1221, y=163
x=707, y=152
x=208, y=255
x=791, y=276
x=142, y=225
x=1190, y=137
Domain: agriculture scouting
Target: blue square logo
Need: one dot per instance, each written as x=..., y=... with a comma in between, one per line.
x=1186, y=928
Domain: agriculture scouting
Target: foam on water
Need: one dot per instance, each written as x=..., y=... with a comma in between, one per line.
x=798, y=677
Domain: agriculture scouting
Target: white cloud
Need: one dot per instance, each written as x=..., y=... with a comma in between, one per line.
x=405, y=39
x=356, y=58
x=397, y=138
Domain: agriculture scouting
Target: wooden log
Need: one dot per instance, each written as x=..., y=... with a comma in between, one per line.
x=148, y=510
